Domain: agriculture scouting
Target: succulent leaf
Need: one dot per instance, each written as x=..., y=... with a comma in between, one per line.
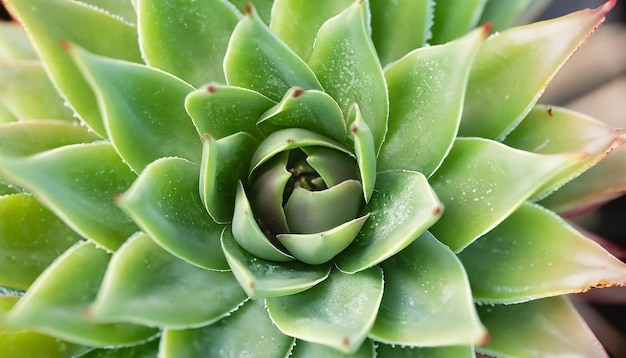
x=338, y=312
x=190, y=45
x=426, y=92
x=122, y=8
x=503, y=13
x=268, y=190
x=247, y=331
x=27, y=138
x=365, y=150
x=14, y=43
x=481, y=182
x=164, y=201
x=461, y=18
x=6, y=115
x=427, y=299
x=386, y=350
x=264, y=8
x=57, y=301
x=147, y=285
x=146, y=350
x=496, y=100
x=355, y=75
x=304, y=349
x=52, y=23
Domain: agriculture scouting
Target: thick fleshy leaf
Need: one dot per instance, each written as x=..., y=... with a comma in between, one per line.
x=321, y=247
x=224, y=162
x=14, y=43
x=249, y=235
x=551, y=130
x=551, y=324
x=261, y=278
x=52, y=23
x=247, y=332
x=426, y=92
x=164, y=201
x=304, y=349
x=386, y=350
x=297, y=21
x=520, y=262
x=78, y=183
x=122, y=8
x=145, y=350
x=267, y=192
x=286, y=139
x=32, y=344
x=365, y=150
x=147, y=285
x=225, y=110
x=141, y=102
x=427, y=300
x=504, y=14
x=338, y=312
x=6, y=115
x=273, y=69
x=310, y=212
x=347, y=66
x=496, y=100
x=460, y=17
x=56, y=303
x=332, y=166
x=190, y=45
x=263, y=7
x=399, y=27
x=31, y=237
x=403, y=206
x=312, y=110
x=481, y=182
x=28, y=93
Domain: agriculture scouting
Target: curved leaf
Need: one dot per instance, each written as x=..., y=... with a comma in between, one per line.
x=427, y=300
x=56, y=303
x=164, y=201
x=496, y=99
x=426, y=92
x=31, y=237
x=399, y=27
x=481, y=182
x=403, y=206
x=345, y=61
x=304, y=349
x=332, y=166
x=338, y=312
x=386, y=350
x=263, y=7
x=78, y=183
x=365, y=151
x=51, y=23
x=14, y=43
x=273, y=70
x=552, y=324
x=262, y=278
x=190, y=45
x=6, y=115
x=457, y=19
x=122, y=8
x=141, y=102
x=32, y=344
x=267, y=192
x=520, y=262
x=147, y=285
x=145, y=350
x=247, y=332
x=225, y=110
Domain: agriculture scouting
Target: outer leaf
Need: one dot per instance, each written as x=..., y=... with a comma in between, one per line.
x=147, y=285
x=552, y=324
x=505, y=13
x=51, y=23
x=14, y=43
x=519, y=262
x=56, y=302
x=427, y=300
x=385, y=350
x=338, y=312
x=454, y=19
x=274, y=68
x=146, y=350
x=297, y=21
x=346, y=64
x=31, y=237
x=263, y=7
x=28, y=93
x=141, y=102
x=224, y=162
x=304, y=349
x=426, y=92
x=6, y=115
x=165, y=203
x=496, y=99
x=224, y=110
x=403, y=206
x=121, y=8
x=262, y=278
x=481, y=182
x=31, y=344
x=190, y=45
x=551, y=130
x=247, y=332
x=399, y=27
x=78, y=183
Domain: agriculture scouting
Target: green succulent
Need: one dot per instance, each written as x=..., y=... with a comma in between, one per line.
x=294, y=178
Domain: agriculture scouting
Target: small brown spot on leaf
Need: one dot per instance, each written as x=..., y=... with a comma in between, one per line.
x=207, y=137
x=549, y=111
x=354, y=129
x=249, y=8
x=346, y=341
x=437, y=211
x=289, y=141
x=297, y=93
x=211, y=89
x=65, y=45
x=487, y=28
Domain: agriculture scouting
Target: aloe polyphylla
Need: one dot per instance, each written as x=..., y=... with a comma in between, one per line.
x=293, y=178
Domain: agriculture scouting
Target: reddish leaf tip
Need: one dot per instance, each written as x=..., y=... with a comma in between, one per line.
x=211, y=89
x=606, y=7
x=66, y=45
x=249, y=9
x=207, y=137
x=117, y=197
x=484, y=339
x=437, y=211
x=297, y=93
x=345, y=341
x=549, y=109
x=487, y=28
x=354, y=129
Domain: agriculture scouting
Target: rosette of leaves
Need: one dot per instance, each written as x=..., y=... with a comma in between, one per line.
x=301, y=178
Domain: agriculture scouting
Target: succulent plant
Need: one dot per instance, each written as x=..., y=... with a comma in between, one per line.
x=308, y=178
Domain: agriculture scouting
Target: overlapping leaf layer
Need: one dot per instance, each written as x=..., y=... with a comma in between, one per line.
x=299, y=178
